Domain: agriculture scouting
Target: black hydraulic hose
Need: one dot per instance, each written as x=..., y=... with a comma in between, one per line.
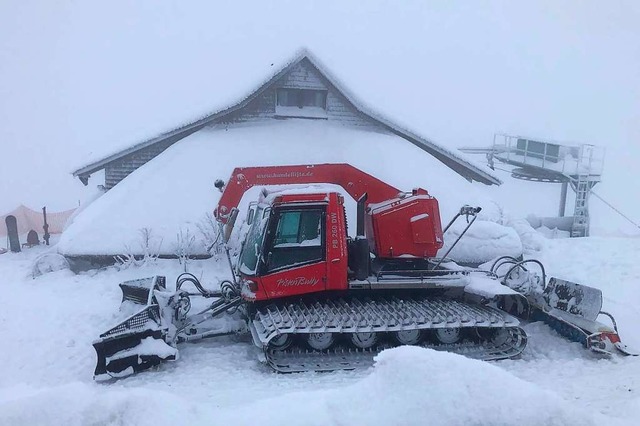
x=493, y=267
x=537, y=262
x=507, y=262
x=188, y=277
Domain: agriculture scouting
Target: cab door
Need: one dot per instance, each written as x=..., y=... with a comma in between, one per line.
x=294, y=260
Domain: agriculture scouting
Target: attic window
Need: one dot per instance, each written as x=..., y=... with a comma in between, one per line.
x=304, y=103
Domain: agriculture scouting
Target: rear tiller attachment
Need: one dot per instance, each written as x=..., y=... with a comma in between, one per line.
x=570, y=309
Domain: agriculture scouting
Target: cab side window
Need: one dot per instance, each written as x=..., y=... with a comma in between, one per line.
x=298, y=238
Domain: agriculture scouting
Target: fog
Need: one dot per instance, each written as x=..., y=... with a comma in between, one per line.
x=80, y=79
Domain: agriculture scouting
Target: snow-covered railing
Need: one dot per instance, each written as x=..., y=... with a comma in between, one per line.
x=569, y=160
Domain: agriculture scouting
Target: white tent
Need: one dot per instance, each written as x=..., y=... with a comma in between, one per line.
x=28, y=219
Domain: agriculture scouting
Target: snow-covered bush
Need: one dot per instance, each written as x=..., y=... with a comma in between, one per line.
x=211, y=235
x=184, y=247
x=150, y=246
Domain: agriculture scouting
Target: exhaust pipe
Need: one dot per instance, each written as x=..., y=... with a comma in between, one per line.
x=360, y=247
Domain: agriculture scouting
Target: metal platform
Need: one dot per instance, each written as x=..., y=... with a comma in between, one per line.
x=548, y=157
x=578, y=166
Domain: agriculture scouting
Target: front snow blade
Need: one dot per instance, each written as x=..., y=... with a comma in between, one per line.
x=126, y=354
x=141, y=291
x=136, y=344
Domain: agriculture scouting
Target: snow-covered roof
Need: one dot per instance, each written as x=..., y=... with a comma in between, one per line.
x=237, y=92
x=175, y=191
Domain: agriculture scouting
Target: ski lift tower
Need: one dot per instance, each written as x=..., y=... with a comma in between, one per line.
x=578, y=166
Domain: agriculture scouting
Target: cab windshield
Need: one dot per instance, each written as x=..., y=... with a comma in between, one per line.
x=253, y=243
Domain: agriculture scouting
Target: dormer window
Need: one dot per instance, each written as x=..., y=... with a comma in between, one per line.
x=303, y=103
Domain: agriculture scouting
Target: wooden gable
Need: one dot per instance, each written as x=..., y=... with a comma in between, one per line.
x=302, y=75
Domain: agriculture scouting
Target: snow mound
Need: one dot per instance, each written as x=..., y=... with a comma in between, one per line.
x=429, y=387
x=49, y=262
x=553, y=233
x=483, y=241
x=532, y=240
x=408, y=386
x=417, y=386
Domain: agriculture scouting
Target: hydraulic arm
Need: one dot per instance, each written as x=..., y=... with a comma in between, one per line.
x=355, y=182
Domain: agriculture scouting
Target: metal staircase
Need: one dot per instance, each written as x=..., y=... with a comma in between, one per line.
x=588, y=173
x=582, y=187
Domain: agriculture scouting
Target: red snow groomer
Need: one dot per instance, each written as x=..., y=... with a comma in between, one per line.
x=314, y=298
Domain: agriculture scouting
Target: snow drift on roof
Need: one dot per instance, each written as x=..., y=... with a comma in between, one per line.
x=175, y=191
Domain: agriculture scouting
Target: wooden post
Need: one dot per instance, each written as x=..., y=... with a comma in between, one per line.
x=45, y=226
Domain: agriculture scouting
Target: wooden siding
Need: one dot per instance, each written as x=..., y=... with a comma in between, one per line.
x=302, y=76
x=262, y=108
x=117, y=170
x=341, y=111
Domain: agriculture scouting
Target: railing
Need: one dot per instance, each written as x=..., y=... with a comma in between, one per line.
x=568, y=160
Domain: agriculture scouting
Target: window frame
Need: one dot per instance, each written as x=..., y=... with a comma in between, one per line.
x=299, y=109
x=271, y=233
x=254, y=240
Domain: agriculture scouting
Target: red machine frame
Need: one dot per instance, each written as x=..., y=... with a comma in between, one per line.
x=398, y=225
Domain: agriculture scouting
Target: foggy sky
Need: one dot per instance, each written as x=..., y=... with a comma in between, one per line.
x=78, y=79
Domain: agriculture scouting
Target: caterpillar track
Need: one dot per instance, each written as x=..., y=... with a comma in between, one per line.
x=355, y=330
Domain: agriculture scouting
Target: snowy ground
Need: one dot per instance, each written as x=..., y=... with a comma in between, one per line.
x=47, y=325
